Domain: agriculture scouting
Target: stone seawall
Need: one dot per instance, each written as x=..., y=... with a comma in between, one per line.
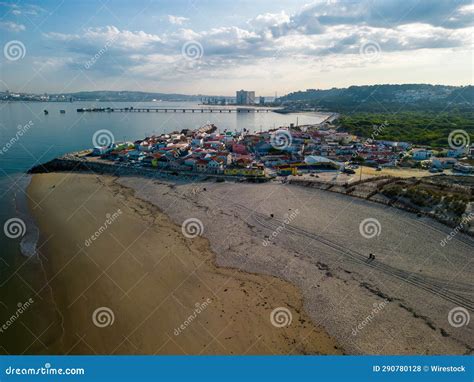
x=81, y=165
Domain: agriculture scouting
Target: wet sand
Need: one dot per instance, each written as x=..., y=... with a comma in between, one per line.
x=119, y=277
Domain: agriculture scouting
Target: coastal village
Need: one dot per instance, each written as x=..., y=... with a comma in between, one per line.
x=292, y=150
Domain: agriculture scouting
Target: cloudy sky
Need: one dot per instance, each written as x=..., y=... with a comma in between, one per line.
x=216, y=46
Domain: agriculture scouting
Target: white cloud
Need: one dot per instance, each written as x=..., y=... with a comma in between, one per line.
x=469, y=8
x=10, y=26
x=19, y=9
x=269, y=19
x=63, y=37
x=138, y=51
x=177, y=20
x=324, y=37
x=97, y=37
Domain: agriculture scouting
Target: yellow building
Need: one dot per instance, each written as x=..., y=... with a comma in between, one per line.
x=289, y=170
x=242, y=171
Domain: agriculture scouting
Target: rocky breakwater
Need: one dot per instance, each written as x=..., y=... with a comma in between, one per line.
x=74, y=163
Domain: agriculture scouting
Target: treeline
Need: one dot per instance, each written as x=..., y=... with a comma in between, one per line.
x=126, y=96
x=384, y=98
x=422, y=128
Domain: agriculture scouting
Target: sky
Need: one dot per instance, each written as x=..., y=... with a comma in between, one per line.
x=217, y=47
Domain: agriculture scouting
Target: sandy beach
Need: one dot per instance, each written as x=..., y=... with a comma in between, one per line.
x=119, y=277
x=403, y=302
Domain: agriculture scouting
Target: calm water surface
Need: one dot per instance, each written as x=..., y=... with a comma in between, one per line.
x=47, y=136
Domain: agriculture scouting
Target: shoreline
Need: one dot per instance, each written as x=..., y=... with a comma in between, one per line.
x=74, y=162
x=30, y=240
x=81, y=279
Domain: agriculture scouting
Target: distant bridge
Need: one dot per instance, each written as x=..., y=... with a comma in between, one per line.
x=177, y=110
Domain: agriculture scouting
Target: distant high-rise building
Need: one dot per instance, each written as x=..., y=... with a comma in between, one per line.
x=262, y=100
x=244, y=97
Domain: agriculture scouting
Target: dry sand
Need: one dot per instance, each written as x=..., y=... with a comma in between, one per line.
x=398, y=304
x=151, y=278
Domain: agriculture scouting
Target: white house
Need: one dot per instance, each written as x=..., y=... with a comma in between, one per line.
x=214, y=166
x=145, y=146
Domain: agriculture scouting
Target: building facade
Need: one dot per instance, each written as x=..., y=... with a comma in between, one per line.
x=244, y=97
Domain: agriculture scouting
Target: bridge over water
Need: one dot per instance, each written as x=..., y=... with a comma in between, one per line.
x=177, y=110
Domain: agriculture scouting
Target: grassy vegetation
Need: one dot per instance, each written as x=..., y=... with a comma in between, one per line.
x=384, y=98
x=442, y=200
x=423, y=128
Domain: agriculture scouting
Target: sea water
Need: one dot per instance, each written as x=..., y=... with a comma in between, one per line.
x=29, y=136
